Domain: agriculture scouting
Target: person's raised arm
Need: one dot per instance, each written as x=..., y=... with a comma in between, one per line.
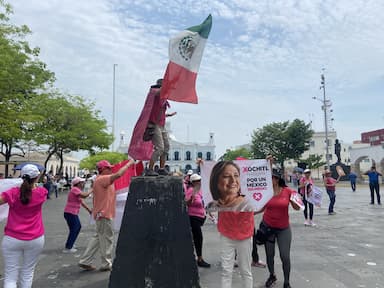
x=86, y=194
x=122, y=170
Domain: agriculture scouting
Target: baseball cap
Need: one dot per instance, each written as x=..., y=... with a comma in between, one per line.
x=103, y=164
x=307, y=171
x=31, y=170
x=77, y=180
x=190, y=172
x=276, y=172
x=195, y=177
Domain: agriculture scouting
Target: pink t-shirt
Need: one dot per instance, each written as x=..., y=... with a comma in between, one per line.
x=73, y=201
x=276, y=210
x=25, y=222
x=196, y=208
x=104, y=198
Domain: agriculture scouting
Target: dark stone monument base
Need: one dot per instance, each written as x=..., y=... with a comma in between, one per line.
x=155, y=248
x=346, y=168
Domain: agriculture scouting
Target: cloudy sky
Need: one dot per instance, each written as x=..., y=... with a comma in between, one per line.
x=262, y=62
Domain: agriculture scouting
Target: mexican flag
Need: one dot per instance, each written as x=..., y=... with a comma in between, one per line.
x=185, y=53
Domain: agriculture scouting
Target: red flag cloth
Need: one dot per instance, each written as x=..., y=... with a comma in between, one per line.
x=123, y=182
x=138, y=148
x=179, y=84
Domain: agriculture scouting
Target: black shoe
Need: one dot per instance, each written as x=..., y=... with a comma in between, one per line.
x=286, y=285
x=271, y=280
x=151, y=173
x=163, y=172
x=202, y=263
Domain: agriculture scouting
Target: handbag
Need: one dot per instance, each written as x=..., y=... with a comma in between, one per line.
x=149, y=132
x=263, y=233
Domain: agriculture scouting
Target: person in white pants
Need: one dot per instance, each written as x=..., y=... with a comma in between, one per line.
x=24, y=232
x=235, y=222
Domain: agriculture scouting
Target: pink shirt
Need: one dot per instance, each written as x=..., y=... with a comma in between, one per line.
x=276, y=210
x=330, y=181
x=73, y=201
x=25, y=222
x=304, y=180
x=196, y=208
x=157, y=115
x=236, y=225
x=104, y=198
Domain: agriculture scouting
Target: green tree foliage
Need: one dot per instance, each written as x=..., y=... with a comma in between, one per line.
x=91, y=161
x=233, y=154
x=313, y=161
x=68, y=123
x=22, y=76
x=283, y=140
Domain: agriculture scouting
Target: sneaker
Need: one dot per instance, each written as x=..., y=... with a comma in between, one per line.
x=271, y=280
x=163, y=172
x=313, y=224
x=258, y=264
x=306, y=223
x=151, y=173
x=67, y=251
x=203, y=264
x=87, y=267
x=105, y=269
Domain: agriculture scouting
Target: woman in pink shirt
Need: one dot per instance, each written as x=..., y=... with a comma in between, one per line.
x=24, y=231
x=71, y=212
x=330, y=187
x=196, y=212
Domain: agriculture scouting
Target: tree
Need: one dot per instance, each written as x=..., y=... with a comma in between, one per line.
x=68, y=123
x=283, y=140
x=91, y=161
x=313, y=161
x=233, y=154
x=22, y=77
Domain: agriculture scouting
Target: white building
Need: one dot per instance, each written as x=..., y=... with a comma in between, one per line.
x=182, y=156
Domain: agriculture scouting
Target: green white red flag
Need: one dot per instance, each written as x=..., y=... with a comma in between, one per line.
x=185, y=53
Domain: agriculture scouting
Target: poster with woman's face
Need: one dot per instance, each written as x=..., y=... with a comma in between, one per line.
x=254, y=183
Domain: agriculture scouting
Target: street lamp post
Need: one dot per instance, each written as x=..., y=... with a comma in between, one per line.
x=326, y=104
x=114, y=107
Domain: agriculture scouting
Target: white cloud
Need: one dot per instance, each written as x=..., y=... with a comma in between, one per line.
x=262, y=61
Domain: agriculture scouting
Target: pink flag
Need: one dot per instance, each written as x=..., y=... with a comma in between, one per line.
x=138, y=148
x=122, y=183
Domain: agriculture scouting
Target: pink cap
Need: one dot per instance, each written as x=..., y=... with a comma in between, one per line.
x=103, y=164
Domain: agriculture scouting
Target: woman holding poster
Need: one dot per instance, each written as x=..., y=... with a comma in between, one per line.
x=235, y=222
x=305, y=189
x=277, y=219
x=330, y=186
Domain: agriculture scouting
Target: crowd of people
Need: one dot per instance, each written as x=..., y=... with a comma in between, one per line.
x=24, y=230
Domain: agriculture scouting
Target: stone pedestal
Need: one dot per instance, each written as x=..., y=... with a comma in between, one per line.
x=155, y=247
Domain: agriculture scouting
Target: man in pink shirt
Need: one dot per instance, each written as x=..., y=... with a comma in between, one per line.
x=104, y=205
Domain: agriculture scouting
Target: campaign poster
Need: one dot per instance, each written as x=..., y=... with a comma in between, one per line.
x=315, y=196
x=255, y=181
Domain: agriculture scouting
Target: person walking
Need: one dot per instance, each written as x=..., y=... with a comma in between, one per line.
x=23, y=238
x=104, y=207
x=352, y=178
x=305, y=189
x=276, y=217
x=374, y=185
x=330, y=187
x=196, y=212
x=235, y=223
x=72, y=209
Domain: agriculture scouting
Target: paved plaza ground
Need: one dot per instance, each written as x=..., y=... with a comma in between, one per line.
x=345, y=250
